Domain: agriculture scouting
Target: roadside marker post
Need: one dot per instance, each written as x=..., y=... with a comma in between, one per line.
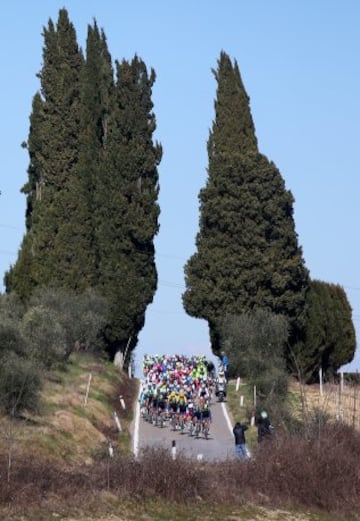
x=87, y=390
x=252, y=421
x=122, y=402
x=117, y=421
x=111, y=450
x=321, y=381
x=173, y=450
x=237, y=383
x=241, y=400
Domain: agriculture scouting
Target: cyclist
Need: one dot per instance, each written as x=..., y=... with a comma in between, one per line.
x=182, y=406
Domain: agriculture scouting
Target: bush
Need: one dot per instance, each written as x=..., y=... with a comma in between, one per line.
x=254, y=343
x=80, y=316
x=11, y=339
x=45, y=335
x=20, y=384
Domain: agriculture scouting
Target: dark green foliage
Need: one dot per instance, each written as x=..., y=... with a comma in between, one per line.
x=97, y=85
x=329, y=334
x=11, y=339
x=233, y=132
x=55, y=218
x=254, y=343
x=92, y=190
x=20, y=380
x=126, y=206
x=53, y=151
x=11, y=307
x=59, y=321
x=41, y=336
x=20, y=383
x=45, y=336
x=247, y=250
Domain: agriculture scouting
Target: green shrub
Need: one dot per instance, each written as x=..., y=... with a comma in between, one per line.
x=20, y=384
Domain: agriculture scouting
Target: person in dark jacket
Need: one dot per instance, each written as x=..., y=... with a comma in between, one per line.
x=241, y=451
x=264, y=427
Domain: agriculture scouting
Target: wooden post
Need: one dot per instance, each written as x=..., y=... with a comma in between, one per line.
x=87, y=390
x=354, y=409
x=342, y=381
x=321, y=381
x=127, y=348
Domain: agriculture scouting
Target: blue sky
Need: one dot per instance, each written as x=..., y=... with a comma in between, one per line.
x=300, y=65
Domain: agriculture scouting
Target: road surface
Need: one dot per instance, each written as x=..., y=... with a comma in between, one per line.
x=219, y=446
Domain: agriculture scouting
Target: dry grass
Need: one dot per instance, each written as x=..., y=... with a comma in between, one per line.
x=60, y=468
x=342, y=404
x=66, y=428
x=308, y=475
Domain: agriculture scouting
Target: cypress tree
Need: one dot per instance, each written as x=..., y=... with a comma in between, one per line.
x=53, y=147
x=330, y=339
x=79, y=233
x=127, y=209
x=60, y=87
x=92, y=210
x=247, y=255
x=19, y=277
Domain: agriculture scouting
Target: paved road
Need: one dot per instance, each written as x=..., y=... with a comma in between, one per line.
x=219, y=446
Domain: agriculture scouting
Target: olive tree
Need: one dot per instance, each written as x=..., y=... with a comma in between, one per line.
x=254, y=343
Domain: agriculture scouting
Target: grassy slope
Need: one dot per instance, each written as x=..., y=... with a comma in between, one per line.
x=69, y=431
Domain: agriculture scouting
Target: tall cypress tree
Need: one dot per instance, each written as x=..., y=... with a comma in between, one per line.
x=126, y=206
x=330, y=339
x=92, y=210
x=247, y=254
x=60, y=86
x=97, y=84
x=19, y=277
x=53, y=148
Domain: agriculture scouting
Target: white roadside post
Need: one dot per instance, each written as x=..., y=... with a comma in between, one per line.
x=122, y=402
x=254, y=396
x=173, y=450
x=321, y=381
x=111, y=450
x=117, y=421
x=241, y=400
x=237, y=383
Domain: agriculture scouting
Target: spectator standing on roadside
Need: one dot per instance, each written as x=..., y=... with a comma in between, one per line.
x=264, y=427
x=241, y=451
x=225, y=364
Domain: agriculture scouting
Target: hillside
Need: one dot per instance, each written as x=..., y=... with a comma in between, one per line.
x=71, y=427
x=56, y=464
